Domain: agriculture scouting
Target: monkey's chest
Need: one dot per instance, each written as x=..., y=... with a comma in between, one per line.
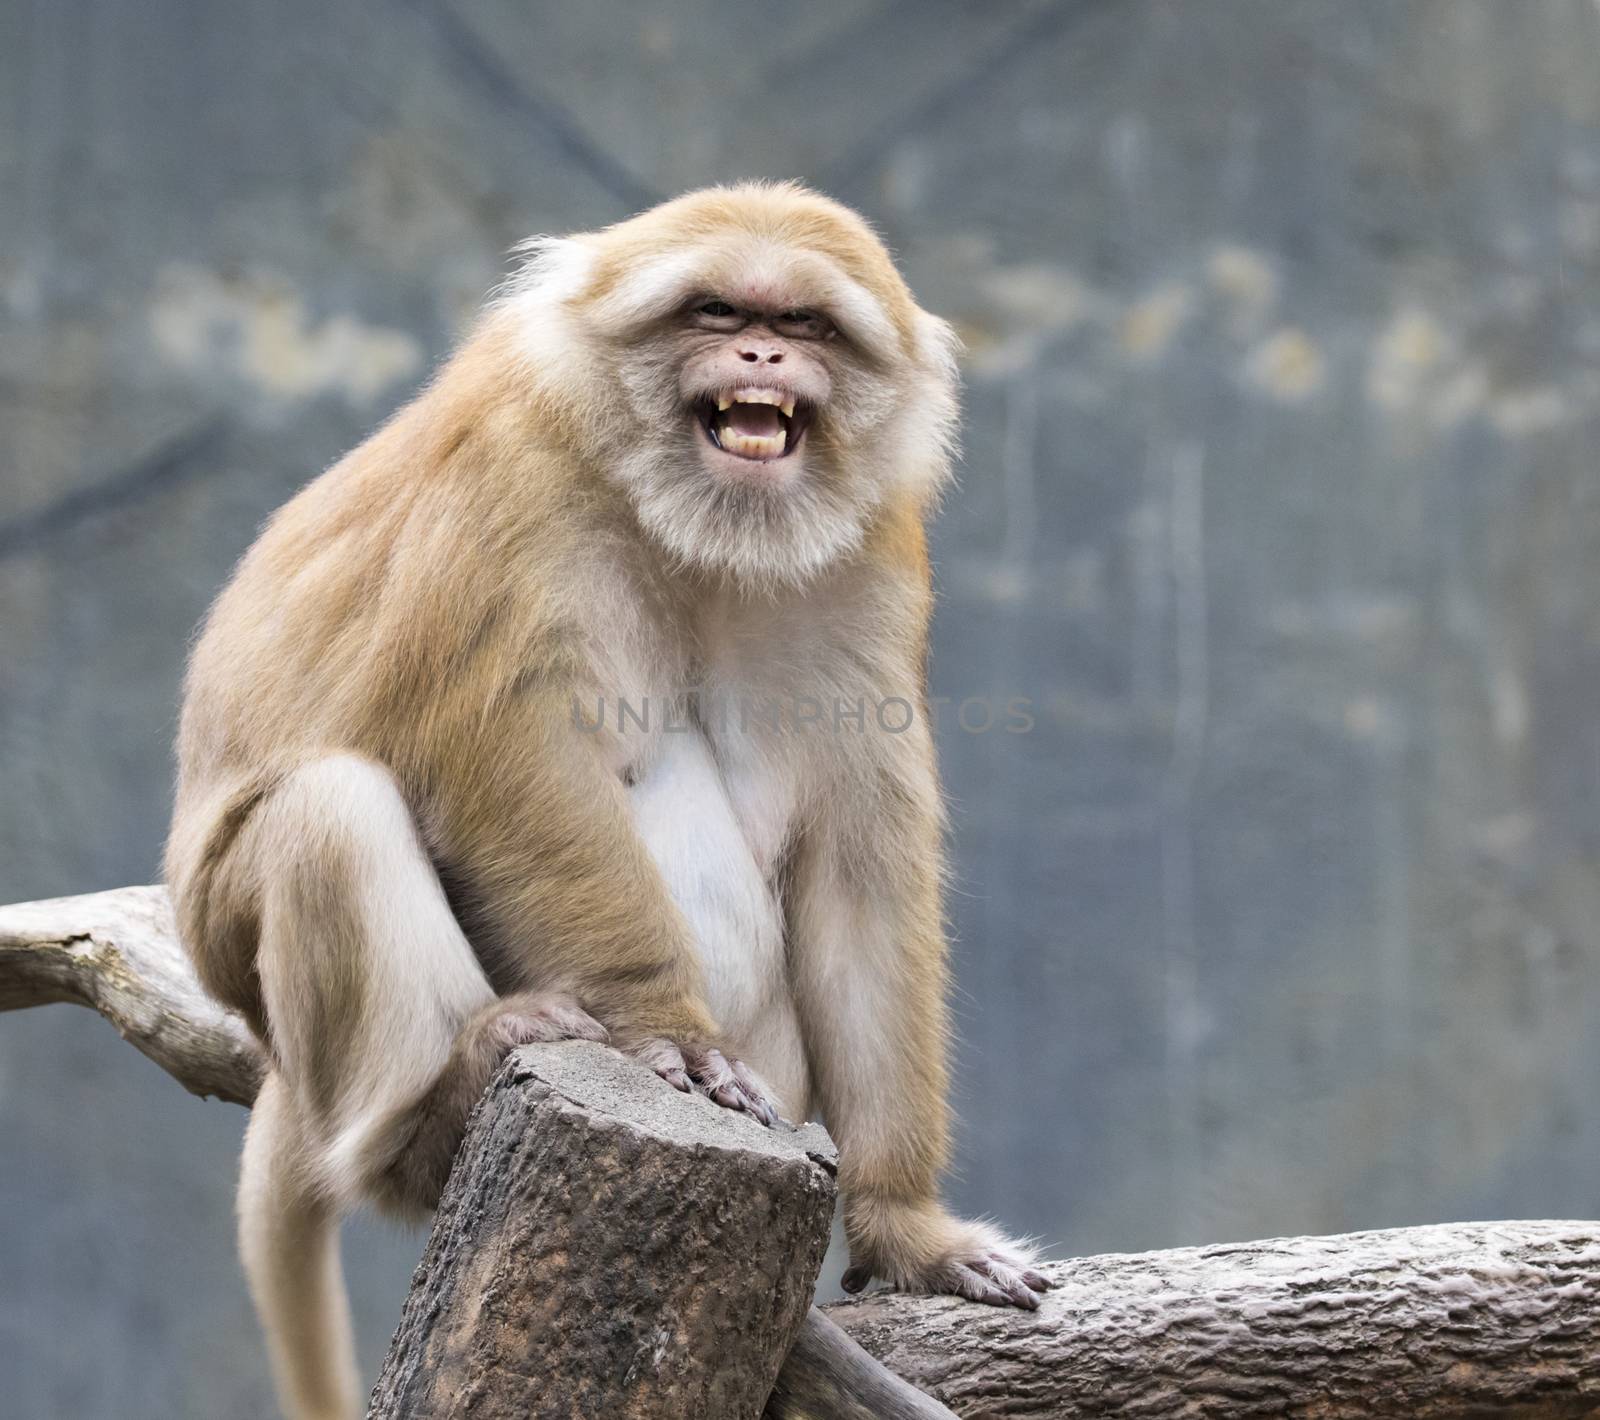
x=715, y=825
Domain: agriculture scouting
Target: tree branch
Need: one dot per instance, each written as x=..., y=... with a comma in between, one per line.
x=1456, y=1320
x=118, y=953
x=607, y=1246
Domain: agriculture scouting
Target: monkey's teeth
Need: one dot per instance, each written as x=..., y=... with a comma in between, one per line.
x=752, y=395
x=765, y=437
x=753, y=446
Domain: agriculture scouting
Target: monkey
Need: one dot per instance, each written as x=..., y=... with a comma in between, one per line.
x=687, y=456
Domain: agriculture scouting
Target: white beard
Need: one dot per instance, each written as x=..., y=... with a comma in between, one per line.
x=774, y=536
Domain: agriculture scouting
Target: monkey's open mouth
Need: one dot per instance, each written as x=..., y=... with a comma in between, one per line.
x=754, y=422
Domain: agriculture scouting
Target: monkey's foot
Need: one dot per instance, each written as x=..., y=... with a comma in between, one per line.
x=409, y=1159
x=537, y=1018
x=730, y=1083
x=975, y=1261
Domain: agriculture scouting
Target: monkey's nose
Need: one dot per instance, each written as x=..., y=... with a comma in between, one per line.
x=759, y=353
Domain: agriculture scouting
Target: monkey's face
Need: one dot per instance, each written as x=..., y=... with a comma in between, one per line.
x=767, y=378
x=752, y=382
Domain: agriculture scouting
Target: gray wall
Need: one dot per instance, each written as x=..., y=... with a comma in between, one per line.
x=1279, y=506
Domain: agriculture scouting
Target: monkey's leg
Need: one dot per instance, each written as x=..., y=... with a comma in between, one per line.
x=414, y=1151
x=383, y=1032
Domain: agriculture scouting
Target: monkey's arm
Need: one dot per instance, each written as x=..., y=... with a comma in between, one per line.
x=868, y=957
x=558, y=891
x=870, y=978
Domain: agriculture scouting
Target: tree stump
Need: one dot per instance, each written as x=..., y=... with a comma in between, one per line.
x=609, y=1247
x=708, y=1234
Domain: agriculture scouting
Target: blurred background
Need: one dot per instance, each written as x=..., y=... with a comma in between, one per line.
x=1279, y=506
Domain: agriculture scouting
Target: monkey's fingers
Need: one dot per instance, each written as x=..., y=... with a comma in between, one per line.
x=729, y=1083
x=987, y=1282
x=981, y=1277
x=1012, y=1262
x=756, y=1090
x=978, y=1280
x=1019, y=1283
x=666, y=1060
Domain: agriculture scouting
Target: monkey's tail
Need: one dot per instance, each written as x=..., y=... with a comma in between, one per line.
x=289, y=1240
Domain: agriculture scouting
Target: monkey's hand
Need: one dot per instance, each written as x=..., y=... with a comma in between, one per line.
x=731, y=1083
x=923, y=1249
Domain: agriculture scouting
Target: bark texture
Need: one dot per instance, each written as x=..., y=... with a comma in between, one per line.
x=827, y=1376
x=118, y=953
x=1466, y=1319
x=609, y=1247
x=1457, y=1320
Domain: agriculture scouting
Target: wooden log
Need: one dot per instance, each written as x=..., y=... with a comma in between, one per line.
x=118, y=953
x=827, y=1376
x=1464, y=1319
x=1457, y=1320
x=609, y=1247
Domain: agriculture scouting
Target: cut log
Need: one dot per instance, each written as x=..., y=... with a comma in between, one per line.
x=118, y=953
x=609, y=1247
x=1464, y=1319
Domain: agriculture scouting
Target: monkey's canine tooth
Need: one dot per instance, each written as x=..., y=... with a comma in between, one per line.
x=724, y=402
x=788, y=408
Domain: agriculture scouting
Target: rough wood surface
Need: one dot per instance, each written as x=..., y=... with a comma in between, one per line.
x=1455, y=1320
x=609, y=1247
x=1458, y=1320
x=827, y=1376
x=117, y=952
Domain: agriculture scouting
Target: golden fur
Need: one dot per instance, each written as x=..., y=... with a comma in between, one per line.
x=380, y=707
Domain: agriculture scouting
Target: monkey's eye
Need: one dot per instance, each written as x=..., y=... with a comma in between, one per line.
x=803, y=325
x=717, y=314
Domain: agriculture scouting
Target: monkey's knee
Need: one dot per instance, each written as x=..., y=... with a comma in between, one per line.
x=365, y=972
x=410, y=1153
x=335, y=829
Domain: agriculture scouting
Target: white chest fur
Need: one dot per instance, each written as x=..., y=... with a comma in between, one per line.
x=716, y=831
x=715, y=800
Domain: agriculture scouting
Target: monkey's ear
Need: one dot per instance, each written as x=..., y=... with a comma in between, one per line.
x=554, y=269
x=928, y=444
x=540, y=301
x=938, y=345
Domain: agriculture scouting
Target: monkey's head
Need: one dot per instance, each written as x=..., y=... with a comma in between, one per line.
x=749, y=365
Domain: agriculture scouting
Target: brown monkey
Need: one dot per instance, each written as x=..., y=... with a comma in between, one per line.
x=682, y=462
